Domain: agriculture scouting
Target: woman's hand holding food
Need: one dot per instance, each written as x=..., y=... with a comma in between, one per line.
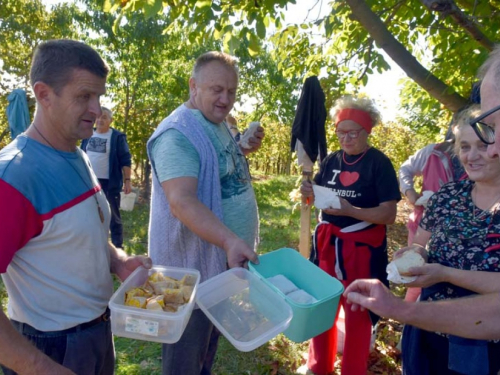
x=428, y=275
x=414, y=247
x=344, y=210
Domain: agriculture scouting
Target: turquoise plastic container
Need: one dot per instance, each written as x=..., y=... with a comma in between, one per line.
x=308, y=320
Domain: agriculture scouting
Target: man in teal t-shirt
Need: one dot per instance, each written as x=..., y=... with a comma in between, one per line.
x=203, y=209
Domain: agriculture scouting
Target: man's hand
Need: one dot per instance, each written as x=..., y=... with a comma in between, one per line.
x=255, y=142
x=123, y=265
x=239, y=253
x=374, y=296
x=127, y=187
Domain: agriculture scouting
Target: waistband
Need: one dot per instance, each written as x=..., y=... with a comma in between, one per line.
x=26, y=329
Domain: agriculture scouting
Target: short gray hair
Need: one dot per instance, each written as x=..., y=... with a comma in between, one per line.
x=364, y=104
x=492, y=62
x=221, y=57
x=107, y=110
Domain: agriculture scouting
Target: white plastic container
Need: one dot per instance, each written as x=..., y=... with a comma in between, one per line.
x=244, y=308
x=142, y=324
x=127, y=201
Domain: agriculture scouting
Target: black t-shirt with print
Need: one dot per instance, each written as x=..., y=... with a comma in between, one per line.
x=365, y=184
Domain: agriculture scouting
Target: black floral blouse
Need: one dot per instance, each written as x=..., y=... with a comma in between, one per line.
x=462, y=236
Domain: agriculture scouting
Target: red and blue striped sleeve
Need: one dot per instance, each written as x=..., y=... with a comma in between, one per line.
x=20, y=223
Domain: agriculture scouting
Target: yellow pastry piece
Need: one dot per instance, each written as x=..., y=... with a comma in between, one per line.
x=135, y=301
x=155, y=303
x=156, y=277
x=161, y=292
x=188, y=280
x=187, y=290
x=173, y=296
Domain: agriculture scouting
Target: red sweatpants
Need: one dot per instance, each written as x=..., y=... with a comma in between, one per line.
x=358, y=326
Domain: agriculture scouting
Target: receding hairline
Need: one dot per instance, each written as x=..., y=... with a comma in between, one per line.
x=224, y=59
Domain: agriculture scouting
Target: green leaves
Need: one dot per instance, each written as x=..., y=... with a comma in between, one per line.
x=261, y=28
x=253, y=45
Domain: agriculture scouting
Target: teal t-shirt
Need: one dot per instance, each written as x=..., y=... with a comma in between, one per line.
x=176, y=157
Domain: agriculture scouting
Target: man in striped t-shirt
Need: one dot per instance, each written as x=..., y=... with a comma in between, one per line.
x=55, y=258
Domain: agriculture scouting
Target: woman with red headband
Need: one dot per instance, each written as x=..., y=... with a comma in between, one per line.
x=350, y=242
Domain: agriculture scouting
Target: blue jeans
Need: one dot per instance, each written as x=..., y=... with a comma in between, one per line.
x=86, y=352
x=194, y=353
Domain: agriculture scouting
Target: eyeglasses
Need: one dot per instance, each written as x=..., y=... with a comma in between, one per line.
x=353, y=134
x=484, y=132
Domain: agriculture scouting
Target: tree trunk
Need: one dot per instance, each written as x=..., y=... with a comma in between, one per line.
x=385, y=40
x=146, y=194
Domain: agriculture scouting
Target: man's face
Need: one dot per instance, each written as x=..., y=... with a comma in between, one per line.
x=103, y=122
x=490, y=98
x=213, y=92
x=72, y=112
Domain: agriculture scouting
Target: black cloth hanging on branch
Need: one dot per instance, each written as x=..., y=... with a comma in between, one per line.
x=309, y=123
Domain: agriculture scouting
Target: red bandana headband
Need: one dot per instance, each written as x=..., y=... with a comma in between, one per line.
x=359, y=116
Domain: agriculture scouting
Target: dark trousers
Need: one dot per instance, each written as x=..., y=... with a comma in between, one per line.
x=86, y=352
x=115, y=224
x=194, y=353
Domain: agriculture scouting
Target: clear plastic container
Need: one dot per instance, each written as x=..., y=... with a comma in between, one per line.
x=150, y=325
x=244, y=309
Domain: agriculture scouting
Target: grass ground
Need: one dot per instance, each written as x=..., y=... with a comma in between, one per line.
x=279, y=227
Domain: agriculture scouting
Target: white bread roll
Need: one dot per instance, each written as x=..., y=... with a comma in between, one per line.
x=409, y=259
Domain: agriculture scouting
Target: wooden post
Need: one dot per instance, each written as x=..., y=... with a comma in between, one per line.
x=305, y=220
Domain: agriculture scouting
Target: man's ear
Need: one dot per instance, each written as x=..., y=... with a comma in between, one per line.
x=43, y=93
x=192, y=86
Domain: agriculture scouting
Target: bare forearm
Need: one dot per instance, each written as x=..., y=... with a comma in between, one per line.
x=117, y=257
x=476, y=317
x=127, y=172
x=376, y=215
x=201, y=221
x=477, y=281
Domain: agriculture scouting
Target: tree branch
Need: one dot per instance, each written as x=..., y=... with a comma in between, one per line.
x=385, y=40
x=449, y=8
x=370, y=48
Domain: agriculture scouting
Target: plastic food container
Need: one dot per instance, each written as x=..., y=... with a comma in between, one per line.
x=149, y=325
x=308, y=320
x=245, y=310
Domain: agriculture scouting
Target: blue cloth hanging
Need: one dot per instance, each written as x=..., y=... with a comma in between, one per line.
x=18, y=113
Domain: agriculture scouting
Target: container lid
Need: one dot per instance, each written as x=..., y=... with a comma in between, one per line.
x=244, y=309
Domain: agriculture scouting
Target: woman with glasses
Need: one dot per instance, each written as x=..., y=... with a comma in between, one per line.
x=350, y=241
x=461, y=230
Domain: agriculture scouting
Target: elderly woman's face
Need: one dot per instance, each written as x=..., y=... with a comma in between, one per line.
x=352, y=137
x=473, y=155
